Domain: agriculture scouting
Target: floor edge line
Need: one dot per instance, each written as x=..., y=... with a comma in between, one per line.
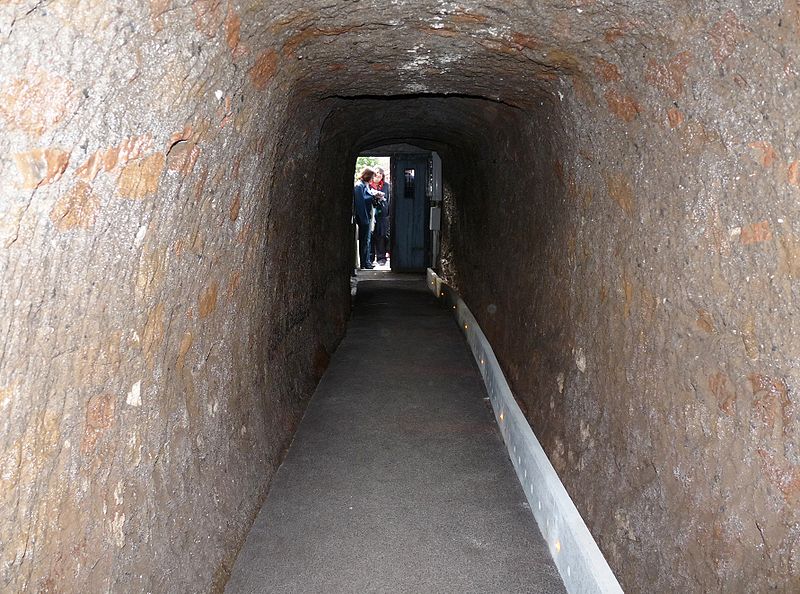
x=580, y=562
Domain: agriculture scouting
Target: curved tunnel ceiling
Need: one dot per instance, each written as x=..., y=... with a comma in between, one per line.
x=509, y=52
x=443, y=124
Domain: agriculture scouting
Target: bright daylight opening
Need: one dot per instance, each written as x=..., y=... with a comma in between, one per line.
x=397, y=199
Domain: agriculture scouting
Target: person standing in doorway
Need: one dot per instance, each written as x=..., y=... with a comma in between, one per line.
x=380, y=237
x=362, y=211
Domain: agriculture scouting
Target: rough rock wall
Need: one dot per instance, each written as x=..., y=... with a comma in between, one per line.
x=623, y=177
x=637, y=271
x=160, y=324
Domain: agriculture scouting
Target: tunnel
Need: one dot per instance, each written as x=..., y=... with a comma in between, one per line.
x=621, y=213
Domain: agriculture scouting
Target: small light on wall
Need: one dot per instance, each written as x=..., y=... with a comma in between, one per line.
x=558, y=546
x=502, y=415
x=454, y=307
x=465, y=326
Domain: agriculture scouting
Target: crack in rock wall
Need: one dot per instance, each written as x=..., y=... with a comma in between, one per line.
x=622, y=184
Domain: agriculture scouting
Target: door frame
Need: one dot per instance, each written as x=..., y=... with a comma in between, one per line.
x=432, y=192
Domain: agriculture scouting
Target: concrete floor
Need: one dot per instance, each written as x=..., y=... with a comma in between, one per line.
x=397, y=480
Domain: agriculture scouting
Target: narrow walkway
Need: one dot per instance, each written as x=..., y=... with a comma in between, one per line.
x=397, y=480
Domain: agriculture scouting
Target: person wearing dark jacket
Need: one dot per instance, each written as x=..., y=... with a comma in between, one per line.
x=380, y=236
x=362, y=210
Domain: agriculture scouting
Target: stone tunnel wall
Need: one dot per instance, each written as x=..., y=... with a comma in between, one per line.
x=632, y=254
x=160, y=326
x=622, y=208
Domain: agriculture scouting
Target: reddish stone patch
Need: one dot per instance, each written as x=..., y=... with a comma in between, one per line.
x=36, y=102
x=756, y=233
x=499, y=46
x=620, y=190
x=106, y=160
x=440, y=31
x=188, y=133
x=157, y=10
x=669, y=77
x=259, y=144
x=724, y=392
x=265, y=67
x=182, y=157
x=338, y=67
x=767, y=153
x=704, y=321
x=606, y=70
x=153, y=334
x=235, y=205
x=725, y=36
x=76, y=209
x=771, y=400
x=41, y=166
x=233, y=284
x=562, y=60
x=186, y=344
x=233, y=27
x=225, y=113
x=526, y=41
x=207, y=302
x=675, y=117
x=207, y=16
x=468, y=18
x=613, y=35
x=547, y=75
x=793, y=173
x=584, y=91
x=99, y=418
x=624, y=107
x=244, y=234
x=200, y=186
x=749, y=339
x=140, y=178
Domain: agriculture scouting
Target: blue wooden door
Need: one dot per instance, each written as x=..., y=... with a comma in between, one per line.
x=410, y=212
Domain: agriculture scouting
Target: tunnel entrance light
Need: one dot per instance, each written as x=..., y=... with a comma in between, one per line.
x=415, y=214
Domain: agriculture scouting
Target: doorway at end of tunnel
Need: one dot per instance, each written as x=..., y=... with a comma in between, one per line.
x=397, y=212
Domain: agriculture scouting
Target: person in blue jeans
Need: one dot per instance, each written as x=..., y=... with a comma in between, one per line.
x=362, y=210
